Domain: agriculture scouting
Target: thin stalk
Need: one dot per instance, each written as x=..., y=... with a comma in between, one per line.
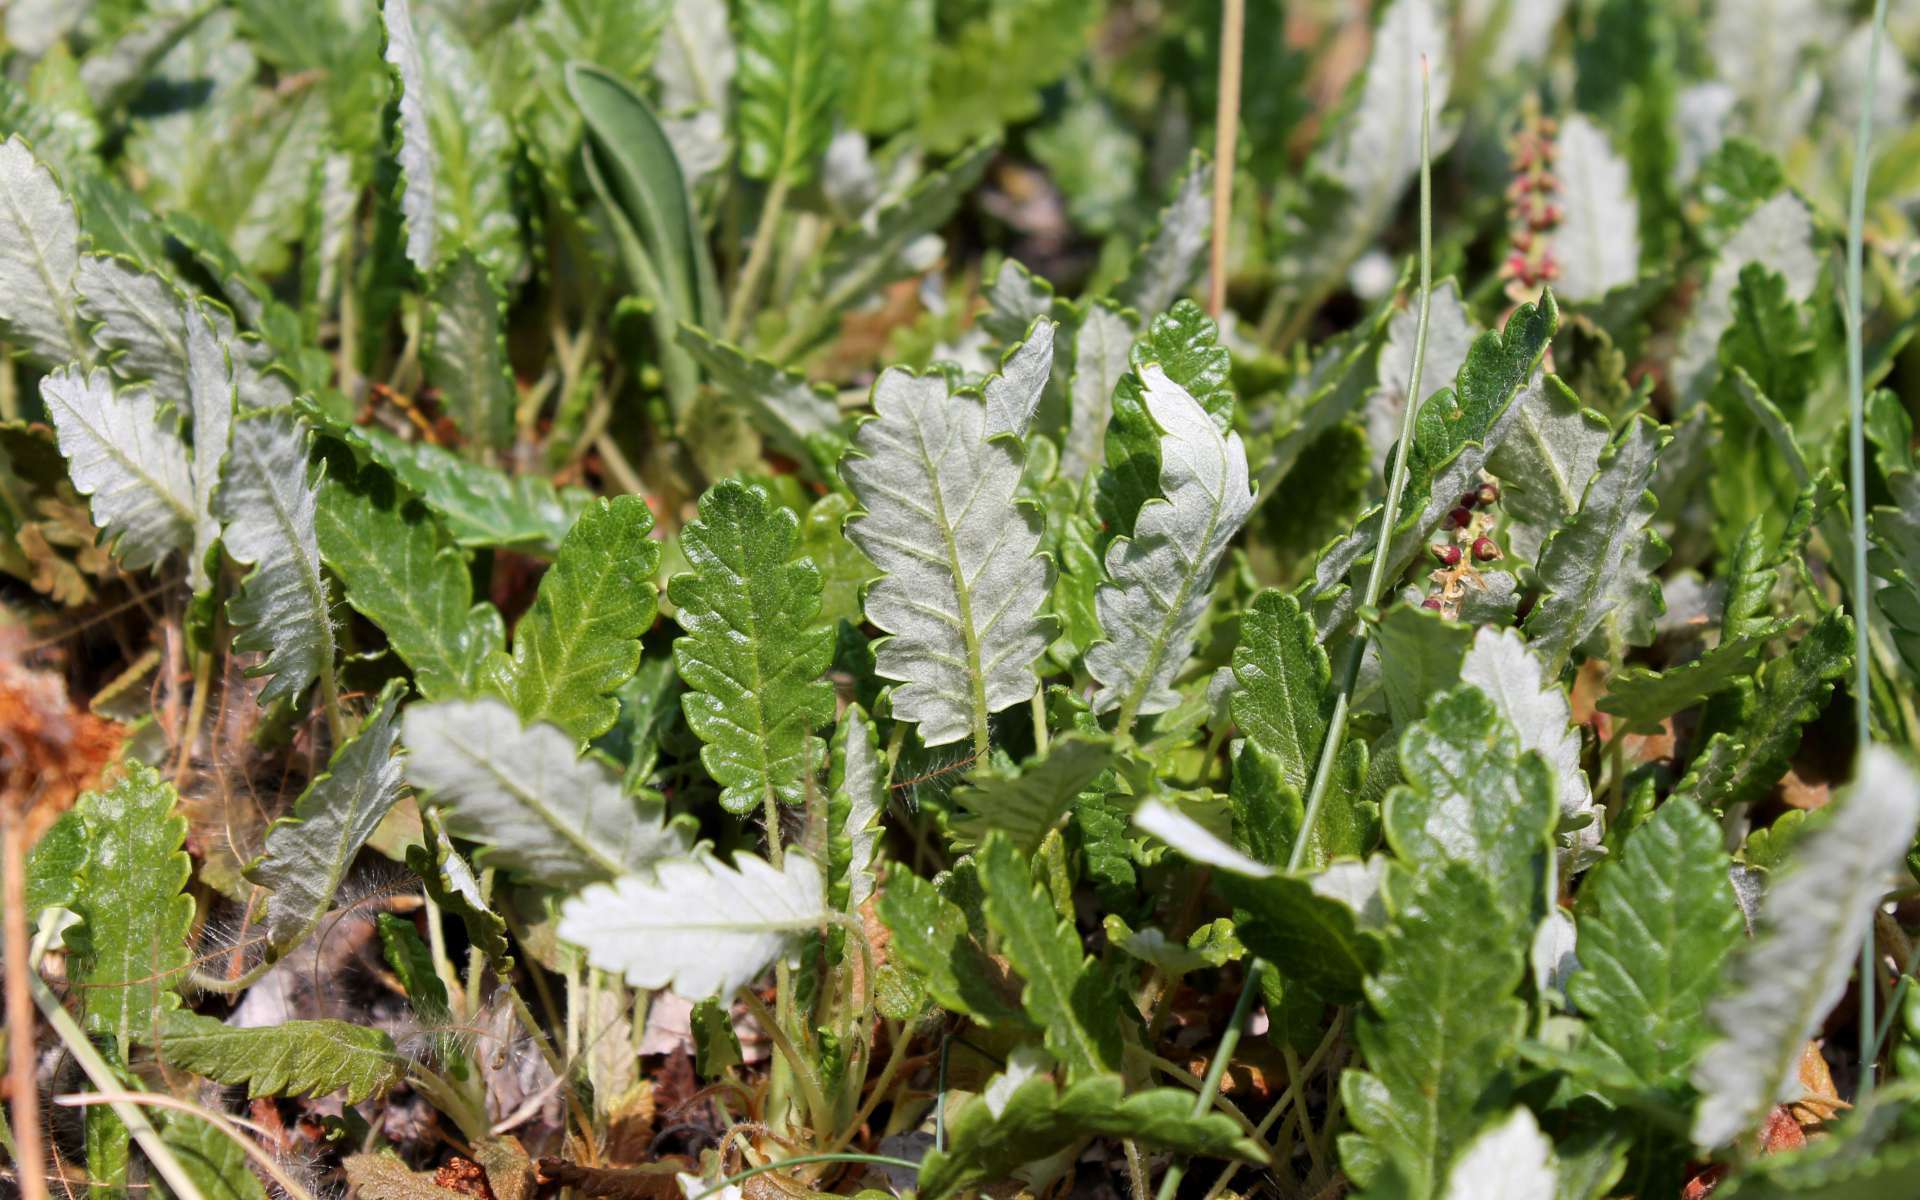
x=1390, y=511
x=227, y=1128
x=758, y=258
x=105, y=1081
x=901, y=1044
x=816, y=1100
x=1039, y=721
x=1210, y=1086
x=20, y=1055
x=879, y=1160
x=1226, y=130
x=1857, y=484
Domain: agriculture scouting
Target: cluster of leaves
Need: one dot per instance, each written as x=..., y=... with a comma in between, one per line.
x=577, y=445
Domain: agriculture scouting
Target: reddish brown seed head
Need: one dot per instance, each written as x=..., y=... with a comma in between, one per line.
x=1462, y=517
x=1484, y=550
x=1487, y=493
x=1447, y=553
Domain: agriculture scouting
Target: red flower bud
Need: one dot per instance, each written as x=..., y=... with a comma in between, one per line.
x=1432, y=602
x=1486, y=493
x=1484, y=550
x=1462, y=517
x=1449, y=555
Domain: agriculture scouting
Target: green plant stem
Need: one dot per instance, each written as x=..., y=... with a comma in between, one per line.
x=1857, y=485
x=104, y=1081
x=816, y=1099
x=1040, y=721
x=901, y=1044
x=227, y=1128
x=1389, y=512
x=758, y=258
x=1291, y=1100
x=1210, y=1086
x=879, y=1160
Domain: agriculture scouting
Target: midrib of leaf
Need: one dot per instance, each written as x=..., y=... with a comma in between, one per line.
x=309, y=571
x=120, y=456
x=156, y=326
x=57, y=291
x=536, y=656
x=1157, y=647
x=1043, y=974
x=1530, y=427
x=445, y=636
x=790, y=130
x=611, y=866
x=962, y=587
x=769, y=796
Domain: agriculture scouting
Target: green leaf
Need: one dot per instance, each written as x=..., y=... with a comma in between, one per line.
x=801, y=418
x=456, y=149
x=1893, y=1174
x=931, y=939
x=1597, y=571
x=132, y=950
x=1440, y=1027
x=1457, y=430
x=1655, y=925
x=1162, y=574
x=988, y=73
x=465, y=351
x=1780, y=986
x=128, y=458
x=786, y=88
x=634, y=171
x=1421, y=652
x=1474, y=796
x=989, y=1139
x=482, y=506
x=215, y=1162
x=1544, y=465
x=454, y=887
x=964, y=579
x=1066, y=993
x=1507, y=672
x=54, y=865
x=1311, y=938
x=524, y=793
x=212, y=395
x=581, y=639
x=309, y=852
x=1101, y=348
x=412, y=963
x=1286, y=693
x=716, y=1048
x=1641, y=698
x=887, y=47
x=1740, y=764
x=267, y=502
x=1025, y=803
x=294, y=1058
x=751, y=657
x=1185, y=343
x=387, y=550
x=855, y=799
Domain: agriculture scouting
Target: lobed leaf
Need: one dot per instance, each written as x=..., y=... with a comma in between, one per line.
x=1027, y=802
x=695, y=925
x=752, y=655
x=293, y=1058
x=786, y=89
x=127, y=460
x=526, y=796
x=964, y=581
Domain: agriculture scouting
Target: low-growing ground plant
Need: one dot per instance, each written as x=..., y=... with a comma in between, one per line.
x=681, y=599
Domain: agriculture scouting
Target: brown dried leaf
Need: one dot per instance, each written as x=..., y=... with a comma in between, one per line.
x=652, y=1182
x=1821, y=1102
x=384, y=1177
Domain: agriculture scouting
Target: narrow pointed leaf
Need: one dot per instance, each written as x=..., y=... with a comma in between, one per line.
x=1026, y=803
x=752, y=655
x=465, y=351
x=857, y=798
x=782, y=404
x=309, y=852
x=1285, y=682
x=267, y=501
x=786, y=87
x=1066, y=993
x=964, y=582
x=417, y=158
x=1167, y=264
x=1162, y=574
x=1100, y=350
x=695, y=925
x=1013, y=394
x=293, y=1058
x=212, y=395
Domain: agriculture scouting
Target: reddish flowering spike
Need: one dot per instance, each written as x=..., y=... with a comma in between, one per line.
x=1484, y=550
